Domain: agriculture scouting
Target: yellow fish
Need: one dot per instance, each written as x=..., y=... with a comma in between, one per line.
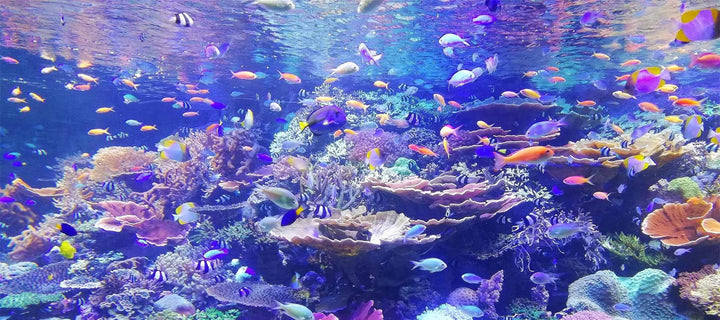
x=148, y=128
x=484, y=125
x=349, y=131
x=330, y=80
x=36, y=97
x=16, y=100
x=674, y=119
x=98, y=132
x=600, y=56
x=25, y=109
x=381, y=84
x=104, y=110
x=323, y=99
x=67, y=250
x=530, y=93
x=357, y=105
x=439, y=99
x=129, y=83
x=16, y=91
x=87, y=78
x=84, y=64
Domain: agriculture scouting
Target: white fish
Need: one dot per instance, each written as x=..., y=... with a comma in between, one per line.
x=366, y=6
x=448, y=52
x=346, y=68
x=429, y=264
x=275, y=107
x=133, y=123
x=452, y=40
x=415, y=231
x=276, y=5
x=184, y=214
x=249, y=120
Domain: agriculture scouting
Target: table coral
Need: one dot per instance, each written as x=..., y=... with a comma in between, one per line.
x=685, y=224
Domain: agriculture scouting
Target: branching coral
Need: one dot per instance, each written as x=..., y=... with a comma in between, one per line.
x=111, y=162
x=629, y=246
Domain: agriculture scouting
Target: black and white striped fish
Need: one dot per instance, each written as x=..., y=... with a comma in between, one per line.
x=222, y=199
x=322, y=212
x=711, y=147
x=109, y=186
x=607, y=152
x=526, y=221
x=463, y=179
x=304, y=197
x=219, y=279
x=624, y=144
x=205, y=266
x=182, y=19
x=413, y=119
x=244, y=291
x=158, y=275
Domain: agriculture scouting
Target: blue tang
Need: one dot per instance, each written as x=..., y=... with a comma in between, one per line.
x=325, y=120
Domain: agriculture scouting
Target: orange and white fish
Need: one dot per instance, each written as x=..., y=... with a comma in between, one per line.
x=337, y=133
x=197, y=99
x=189, y=114
x=509, y=94
x=600, y=56
x=529, y=74
x=168, y=99
x=530, y=93
x=529, y=155
x=600, y=195
x=104, y=110
x=577, y=180
x=556, y=79
x=455, y=104
x=586, y=103
x=553, y=69
x=289, y=78
x=129, y=83
x=244, y=75
x=357, y=105
x=382, y=84
x=9, y=60
x=439, y=99
x=623, y=77
x=87, y=78
x=631, y=62
x=36, y=97
x=649, y=107
x=422, y=150
x=148, y=128
x=16, y=91
x=98, y=132
x=81, y=87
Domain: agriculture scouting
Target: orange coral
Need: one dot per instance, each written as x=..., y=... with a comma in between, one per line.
x=685, y=224
x=114, y=161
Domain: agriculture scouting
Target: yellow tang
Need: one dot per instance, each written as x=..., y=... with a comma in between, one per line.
x=67, y=250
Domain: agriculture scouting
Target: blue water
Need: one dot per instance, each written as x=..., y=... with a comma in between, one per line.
x=127, y=229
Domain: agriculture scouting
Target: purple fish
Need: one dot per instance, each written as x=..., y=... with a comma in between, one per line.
x=325, y=120
x=640, y=131
x=18, y=164
x=485, y=152
x=30, y=202
x=281, y=120
x=589, y=17
x=144, y=176
x=368, y=56
x=11, y=155
x=557, y=191
x=215, y=254
x=264, y=157
x=646, y=80
x=218, y=105
x=544, y=128
x=6, y=199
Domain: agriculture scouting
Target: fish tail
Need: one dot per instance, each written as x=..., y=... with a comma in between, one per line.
x=590, y=178
x=415, y=263
x=499, y=161
x=281, y=74
x=303, y=125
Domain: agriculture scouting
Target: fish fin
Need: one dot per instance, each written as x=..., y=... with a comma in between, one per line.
x=499, y=161
x=303, y=125
x=590, y=178
x=281, y=74
x=415, y=264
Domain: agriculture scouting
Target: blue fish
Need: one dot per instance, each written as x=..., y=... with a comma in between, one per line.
x=325, y=120
x=264, y=157
x=641, y=131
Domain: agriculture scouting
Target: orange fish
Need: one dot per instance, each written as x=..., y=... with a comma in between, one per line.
x=529, y=155
x=148, y=128
x=350, y=131
x=617, y=129
x=688, y=102
x=672, y=98
x=382, y=84
x=213, y=127
x=556, y=79
x=190, y=114
x=422, y=150
x=201, y=91
x=586, y=103
x=9, y=60
x=649, y=107
x=168, y=99
x=577, y=180
x=197, y=99
x=600, y=195
x=530, y=74
x=439, y=99
x=81, y=87
x=289, y=78
x=553, y=69
x=455, y=104
x=129, y=83
x=631, y=62
x=623, y=77
x=337, y=133
x=600, y=56
x=675, y=68
x=244, y=75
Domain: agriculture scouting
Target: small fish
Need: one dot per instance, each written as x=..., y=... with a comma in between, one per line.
x=472, y=311
x=244, y=75
x=600, y=195
x=374, y=159
x=182, y=19
x=530, y=93
x=544, y=128
x=543, y=278
x=7, y=199
x=214, y=254
x=184, y=213
x=291, y=215
x=430, y=264
x=422, y=150
x=67, y=250
x=529, y=155
x=289, y=77
x=108, y=186
x=9, y=60
x=471, y=278
x=600, y=56
x=452, y=40
x=104, y=110
x=448, y=130
x=47, y=70
x=622, y=95
x=681, y=251
x=67, y=229
x=698, y=25
x=322, y=212
x=158, y=275
x=295, y=281
x=244, y=291
x=264, y=157
x=98, y=132
x=565, y=230
x=414, y=231
x=146, y=128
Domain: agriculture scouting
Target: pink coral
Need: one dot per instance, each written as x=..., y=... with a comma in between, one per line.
x=391, y=145
x=588, y=315
x=365, y=311
x=463, y=297
x=146, y=220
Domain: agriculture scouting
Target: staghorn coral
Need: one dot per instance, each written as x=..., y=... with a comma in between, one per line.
x=345, y=233
x=685, y=224
x=111, y=162
x=262, y=294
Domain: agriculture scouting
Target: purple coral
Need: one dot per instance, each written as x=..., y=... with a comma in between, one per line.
x=391, y=145
x=463, y=297
x=489, y=293
x=588, y=315
x=365, y=311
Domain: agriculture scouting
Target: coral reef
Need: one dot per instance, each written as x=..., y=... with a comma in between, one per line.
x=392, y=146
x=25, y=299
x=146, y=220
x=646, y=293
x=262, y=294
x=444, y=312
x=701, y=289
x=685, y=224
x=45, y=279
x=111, y=162
x=686, y=187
